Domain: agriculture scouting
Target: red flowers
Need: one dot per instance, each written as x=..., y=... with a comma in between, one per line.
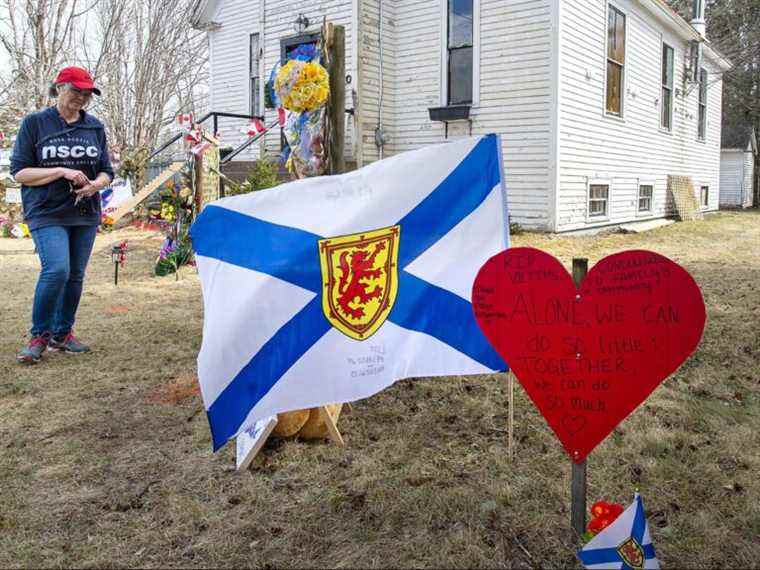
x=603, y=515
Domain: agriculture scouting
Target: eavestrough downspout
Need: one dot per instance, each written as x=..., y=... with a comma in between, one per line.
x=379, y=134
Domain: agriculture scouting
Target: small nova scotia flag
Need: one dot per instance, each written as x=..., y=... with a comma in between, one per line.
x=327, y=290
x=625, y=544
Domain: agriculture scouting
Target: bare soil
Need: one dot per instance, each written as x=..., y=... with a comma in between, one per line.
x=105, y=458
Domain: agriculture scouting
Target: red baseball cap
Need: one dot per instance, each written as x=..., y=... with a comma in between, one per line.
x=78, y=77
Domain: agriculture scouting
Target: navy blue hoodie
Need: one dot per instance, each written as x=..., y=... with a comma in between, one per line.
x=46, y=140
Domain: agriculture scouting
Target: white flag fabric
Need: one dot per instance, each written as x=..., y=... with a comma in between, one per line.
x=327, y=290
x=625, y=544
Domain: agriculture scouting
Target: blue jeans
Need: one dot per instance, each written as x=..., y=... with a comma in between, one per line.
x=64, y=252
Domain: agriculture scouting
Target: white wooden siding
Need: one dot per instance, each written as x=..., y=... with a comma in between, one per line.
x=229, y=66
x=369, y=80
x=633, y=149
x=731, y=177
x=515, y=91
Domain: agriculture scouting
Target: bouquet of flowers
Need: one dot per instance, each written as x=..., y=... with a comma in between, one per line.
x=173, y=255
x=302, y=86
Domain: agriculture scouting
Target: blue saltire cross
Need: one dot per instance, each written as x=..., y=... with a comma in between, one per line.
x=292, y=255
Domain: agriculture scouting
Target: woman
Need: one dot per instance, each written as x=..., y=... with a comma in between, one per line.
x=61, y=160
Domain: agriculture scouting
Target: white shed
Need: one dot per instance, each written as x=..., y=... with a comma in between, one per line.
x=597, y=102
x=737, y=166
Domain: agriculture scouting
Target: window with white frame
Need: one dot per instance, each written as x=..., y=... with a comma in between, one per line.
x=615, y=60
x=460, y=46
x=702, y=129
x=668, y=68
x=598, y=200
x=253, y=74
x=646, y=193
x=704, y=196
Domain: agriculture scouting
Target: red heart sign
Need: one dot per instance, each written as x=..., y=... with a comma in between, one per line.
x=587, y=358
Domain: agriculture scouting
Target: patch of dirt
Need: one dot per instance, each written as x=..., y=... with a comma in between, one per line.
x=176, y=391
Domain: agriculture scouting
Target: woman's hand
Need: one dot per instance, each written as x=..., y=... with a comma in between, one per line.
x=76, y=177
x=89, y=189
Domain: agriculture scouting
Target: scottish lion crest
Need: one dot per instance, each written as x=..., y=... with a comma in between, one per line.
x=360, y=279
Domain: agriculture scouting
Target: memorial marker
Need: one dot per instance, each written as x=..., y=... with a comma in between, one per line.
x=588, y=356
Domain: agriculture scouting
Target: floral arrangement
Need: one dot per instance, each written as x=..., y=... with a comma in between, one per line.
x=174, y=253
x=176, y=213
x=9, y=229
x=176, y=204
x=603, y=514
x=302, y=86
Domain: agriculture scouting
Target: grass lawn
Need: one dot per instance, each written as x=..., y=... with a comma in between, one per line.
x=105, y=459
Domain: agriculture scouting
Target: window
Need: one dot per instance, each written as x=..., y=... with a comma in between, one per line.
x=615, y=60
x=289, y=47
x=646, y=191
x=253, y=69
x=459, y=52
x=702, y=129
x=598, y=197
x=666, y=118
x=704, y=196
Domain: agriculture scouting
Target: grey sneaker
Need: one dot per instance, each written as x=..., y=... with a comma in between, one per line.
x=32, y=352
x=68, y=343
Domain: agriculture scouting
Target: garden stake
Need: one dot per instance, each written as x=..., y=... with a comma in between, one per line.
x=578, y=483
x=118, y=256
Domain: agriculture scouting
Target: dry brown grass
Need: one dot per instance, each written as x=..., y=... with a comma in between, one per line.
x=96, y=470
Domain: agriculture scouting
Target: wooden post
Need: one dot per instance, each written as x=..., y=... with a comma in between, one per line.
x=198, y=183
x=336, y=110
x=511, y=416
x=578, y=484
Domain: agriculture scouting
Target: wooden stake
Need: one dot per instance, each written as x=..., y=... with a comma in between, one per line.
x=511, y=415
x=198, y=183
x=336, y=110
x=578, y=484
x=332, y=428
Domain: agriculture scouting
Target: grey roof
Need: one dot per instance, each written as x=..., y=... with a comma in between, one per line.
x=738, y=136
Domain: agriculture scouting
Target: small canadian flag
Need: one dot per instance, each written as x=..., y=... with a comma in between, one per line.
x=185, y=121
x=256, y=127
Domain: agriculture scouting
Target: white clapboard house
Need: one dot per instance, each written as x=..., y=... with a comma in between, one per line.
x=597, y=101
x=737, y=166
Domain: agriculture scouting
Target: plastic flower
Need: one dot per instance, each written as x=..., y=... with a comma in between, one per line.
x=167, y=211
x=167, y=248
x=604, y=514
x=302, y=86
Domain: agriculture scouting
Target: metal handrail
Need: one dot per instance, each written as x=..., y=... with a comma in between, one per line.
x=246, y=144
x=215, y=115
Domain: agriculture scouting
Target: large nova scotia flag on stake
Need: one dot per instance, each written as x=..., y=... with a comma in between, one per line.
x=328, y=290
x=625, y=544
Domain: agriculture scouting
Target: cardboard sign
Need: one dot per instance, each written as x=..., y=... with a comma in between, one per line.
x=118, y=193
x=587, y=358
x=250, y=441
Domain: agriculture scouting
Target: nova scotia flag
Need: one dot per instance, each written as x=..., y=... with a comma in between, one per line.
x=328, y=290
x=625, y=544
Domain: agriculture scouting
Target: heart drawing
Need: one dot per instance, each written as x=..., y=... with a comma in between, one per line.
x=588, y=356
